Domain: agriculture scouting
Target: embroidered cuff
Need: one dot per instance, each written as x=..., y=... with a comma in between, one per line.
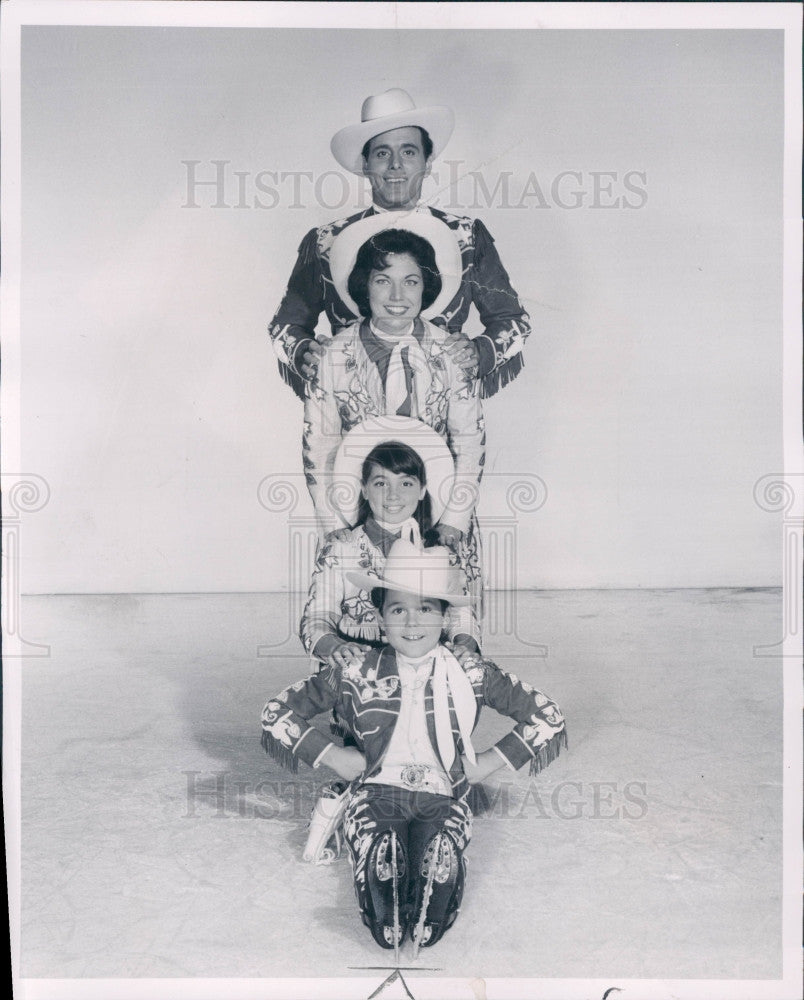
x=322, y=755
x=486, y=354
x=508, y=763
x=311, y=745
x=514, y=749
x=325, y=645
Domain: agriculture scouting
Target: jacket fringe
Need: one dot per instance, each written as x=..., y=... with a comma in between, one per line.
x=296, y=382
x=281, y=754
x=548, y=752
x=501, y=376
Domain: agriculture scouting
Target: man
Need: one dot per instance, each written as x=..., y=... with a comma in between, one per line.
x=394, y=146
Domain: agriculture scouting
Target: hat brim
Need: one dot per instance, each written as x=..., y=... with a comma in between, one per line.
x=347, y=144
x=439, y=465
x=346, y=244
x=366, y=582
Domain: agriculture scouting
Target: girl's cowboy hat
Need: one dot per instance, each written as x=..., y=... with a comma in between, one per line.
x=426, y=572
x=439, y=466
x=343, y=254
x=381, y=113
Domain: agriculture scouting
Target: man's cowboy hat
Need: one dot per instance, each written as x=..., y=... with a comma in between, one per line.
x=343, y=253
x=439, y=467
x=426, y=572
x=381, y=113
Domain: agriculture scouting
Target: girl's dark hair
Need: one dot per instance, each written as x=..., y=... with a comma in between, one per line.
x=373, y=256
x=401, y=459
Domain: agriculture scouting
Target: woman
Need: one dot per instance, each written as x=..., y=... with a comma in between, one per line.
x=394, y=362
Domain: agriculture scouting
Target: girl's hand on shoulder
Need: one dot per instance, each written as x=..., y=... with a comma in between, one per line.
x=348, y=654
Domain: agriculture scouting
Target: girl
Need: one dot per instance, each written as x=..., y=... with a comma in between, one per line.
x=394, y=362
x=402, y=483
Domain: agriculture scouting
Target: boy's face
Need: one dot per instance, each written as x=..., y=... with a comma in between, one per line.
x=412, y=624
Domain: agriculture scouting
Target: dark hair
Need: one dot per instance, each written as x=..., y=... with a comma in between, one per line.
x=378, y=595
x=373, y=256
x=401, y=459
x=427, y=143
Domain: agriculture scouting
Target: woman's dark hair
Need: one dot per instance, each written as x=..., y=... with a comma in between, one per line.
x=373, y=256
x=401, y=459
x=427, y=144
x=378, y=595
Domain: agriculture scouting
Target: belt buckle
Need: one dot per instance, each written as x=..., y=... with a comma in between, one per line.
x=414, y=775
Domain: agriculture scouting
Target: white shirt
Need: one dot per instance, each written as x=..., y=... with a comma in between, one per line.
x=410, y=742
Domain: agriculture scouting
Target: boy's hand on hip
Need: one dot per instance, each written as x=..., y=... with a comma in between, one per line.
x=487, y=763
x=347, y=762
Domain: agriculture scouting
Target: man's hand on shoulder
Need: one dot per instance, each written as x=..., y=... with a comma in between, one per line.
x=311, y=353
x=463, y=353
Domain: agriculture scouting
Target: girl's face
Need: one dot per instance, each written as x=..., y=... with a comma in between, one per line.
x=392, y=496
x=395, y=293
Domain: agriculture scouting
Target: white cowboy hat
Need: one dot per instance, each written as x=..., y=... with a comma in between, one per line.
x=441, y=238
x=439, y=466
x=426, y=572
x=381, y=113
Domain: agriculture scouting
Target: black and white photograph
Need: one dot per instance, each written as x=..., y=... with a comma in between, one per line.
x=403, y=496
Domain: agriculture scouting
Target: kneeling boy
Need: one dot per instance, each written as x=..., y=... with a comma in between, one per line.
x=413, y=707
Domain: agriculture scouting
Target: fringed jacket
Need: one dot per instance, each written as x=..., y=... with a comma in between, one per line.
x=337, y=607
x=484, y=282
x=348, y=388
x=367, y=699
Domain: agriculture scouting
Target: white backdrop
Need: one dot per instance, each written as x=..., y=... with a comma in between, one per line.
x=651, y=399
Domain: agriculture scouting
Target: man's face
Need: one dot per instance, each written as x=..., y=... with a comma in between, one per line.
x=396, y=167
x=412, y=624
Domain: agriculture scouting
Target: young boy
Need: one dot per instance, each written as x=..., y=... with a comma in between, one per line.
x=413, y=706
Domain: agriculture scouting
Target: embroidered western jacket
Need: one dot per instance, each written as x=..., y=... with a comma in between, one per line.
x=337, y=607
x=367, y=698
x=484, y=283
x=347, y=388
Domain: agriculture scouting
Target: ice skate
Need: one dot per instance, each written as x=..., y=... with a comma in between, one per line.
x=385, y=873
x=440, y=889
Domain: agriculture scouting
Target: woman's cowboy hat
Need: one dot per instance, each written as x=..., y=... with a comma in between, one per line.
x=343, y=253
x=439, y=466
x=381, y=113
x=426, y=572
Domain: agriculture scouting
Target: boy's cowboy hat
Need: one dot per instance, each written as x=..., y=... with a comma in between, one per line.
x=343, y=253
x=381, y=113
x=426, y=572
x=439, y=466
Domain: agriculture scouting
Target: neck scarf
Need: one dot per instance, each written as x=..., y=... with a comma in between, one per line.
x=449, y=679
x=408, y=372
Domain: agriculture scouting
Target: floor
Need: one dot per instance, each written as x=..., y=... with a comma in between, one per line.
x=159, y=840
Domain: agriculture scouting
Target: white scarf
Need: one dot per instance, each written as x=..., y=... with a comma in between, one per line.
x=449, y=678
x=395, y=386
x=408, y=529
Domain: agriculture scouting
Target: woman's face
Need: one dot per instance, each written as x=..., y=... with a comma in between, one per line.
x=395, y=293
x=392, y=496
